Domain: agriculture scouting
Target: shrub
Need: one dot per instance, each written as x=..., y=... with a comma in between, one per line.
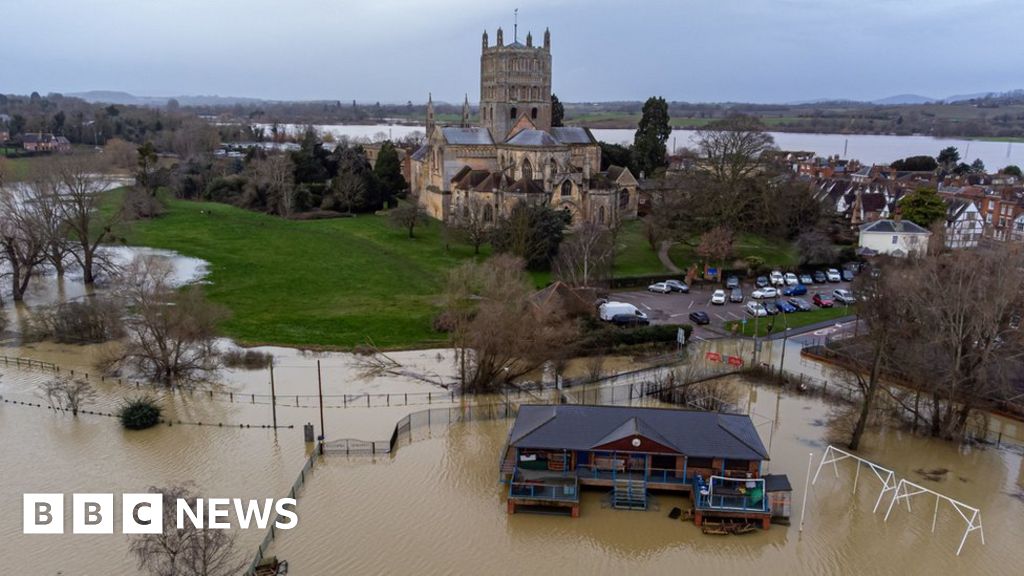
x=139, y=413
x=247, y=359
x=86, y=321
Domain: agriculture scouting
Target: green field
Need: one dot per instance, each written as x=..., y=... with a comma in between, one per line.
x=328, y=283
x=795, y=320
x=776, y=253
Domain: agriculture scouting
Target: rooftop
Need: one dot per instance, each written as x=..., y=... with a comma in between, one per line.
x=893, y=226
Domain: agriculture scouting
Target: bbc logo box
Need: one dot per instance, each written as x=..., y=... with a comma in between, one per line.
x=93, y=514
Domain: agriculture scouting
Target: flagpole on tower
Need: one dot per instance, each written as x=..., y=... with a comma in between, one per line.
x=515, y=26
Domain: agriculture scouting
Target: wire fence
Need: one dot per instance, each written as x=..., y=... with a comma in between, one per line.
x=268, y=538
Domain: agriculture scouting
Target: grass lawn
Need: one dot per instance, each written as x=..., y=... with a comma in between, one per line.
x=633, y=255
x=795, y=320
x=776, y=253
x=329, y=283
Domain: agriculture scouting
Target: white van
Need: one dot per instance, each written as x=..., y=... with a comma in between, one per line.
x=610, y=310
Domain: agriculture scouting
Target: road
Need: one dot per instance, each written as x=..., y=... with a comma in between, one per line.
x=675, y=308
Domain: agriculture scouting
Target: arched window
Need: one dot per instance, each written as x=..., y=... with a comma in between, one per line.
x=514, y=113
x=554, y=167
x=533, y=113
x=488, y=213
x=536, y=93
x=623, y=198
x=527, y=169
x=567, y=188
x=465, y=211
x=600, y=215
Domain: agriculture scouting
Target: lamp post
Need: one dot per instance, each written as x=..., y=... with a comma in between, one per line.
x=782, y=361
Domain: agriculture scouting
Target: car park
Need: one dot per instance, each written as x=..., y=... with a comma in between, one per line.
x=736, y=295
x=609, y=310
x=770, y=308
x=798, y=290
x=791, y=279
x=732, y=282
x=718, y=297
x=766, y=292
x=700, y=317
x=843, y=296
x=806, y=279
x=761, y=281
x=820, y=277
x=800, y=304
x=776, y=278
x=678, y=286
x=833, y=275
x=784, y=307
x=660, y=287
x=847, y=275
x=823, y=300
x=629, y=320
x=756, y=309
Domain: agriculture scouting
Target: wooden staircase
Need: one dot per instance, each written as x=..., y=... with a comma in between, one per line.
x=629, y=494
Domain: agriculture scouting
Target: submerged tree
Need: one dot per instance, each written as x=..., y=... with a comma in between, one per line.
x=67, y=393
x=585, y=257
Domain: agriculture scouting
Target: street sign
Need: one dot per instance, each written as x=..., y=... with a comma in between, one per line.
x=681, y=336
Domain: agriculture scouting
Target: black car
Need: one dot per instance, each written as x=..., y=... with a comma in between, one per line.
x=700, y=317
x=800, y=304
x=736, y=295
x=629, y=320
x=732, y=282
x=820, y=277
x=770, y=308
x=761, y=281
x=848, y=275
x=678, y=286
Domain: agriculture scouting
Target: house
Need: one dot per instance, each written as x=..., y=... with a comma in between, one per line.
x=4, y=136
x=714, y=459
x=45, y=142
x=893, y=237
x=964, y=225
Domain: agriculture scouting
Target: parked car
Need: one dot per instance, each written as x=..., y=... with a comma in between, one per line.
x=800, y=304
x=848, y=275
x=791, y=279
x=609, y=310
x=766, y=292
x=761, y=281
x=770, y=308
x=718, y=297
x=833, y=275
x=629, y=320
x=784, y=307
x=806, y=279
x=843, y=296
x=700, y=317
x=820, y=277
x=678, y=286
x=660, y=287
x=732, y=282
x=756, y=309
x=776, y=278
x=736, y=295
x=822, y=300
x=798, y=290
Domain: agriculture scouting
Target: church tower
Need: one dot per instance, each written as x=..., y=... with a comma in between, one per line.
x=515, y=81
x=430, y=114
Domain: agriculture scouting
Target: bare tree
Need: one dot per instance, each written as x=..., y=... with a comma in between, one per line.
x=80, y=191
x=732, y=148
x=407, y=215
x=716, y=245
x=275, y=175
x=170, y=333
x=469, y=223
x=499, y=334
x=66, y=393
x=23, y=241
x=185, y=550
x=347, y=190
x=585, y=257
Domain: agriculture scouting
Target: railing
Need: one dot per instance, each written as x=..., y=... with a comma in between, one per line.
x=28, y=363
x=719, y=495
x=568, y=491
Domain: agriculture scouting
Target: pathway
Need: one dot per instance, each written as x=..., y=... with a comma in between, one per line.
x=666, y=261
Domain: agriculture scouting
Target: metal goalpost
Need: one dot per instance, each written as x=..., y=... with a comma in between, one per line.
x=906, y=489
x=885, y=476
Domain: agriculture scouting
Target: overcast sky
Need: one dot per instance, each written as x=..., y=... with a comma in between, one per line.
x=398, y=50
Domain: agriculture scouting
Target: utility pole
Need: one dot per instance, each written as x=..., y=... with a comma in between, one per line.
x=273, y=394
x=320, y=387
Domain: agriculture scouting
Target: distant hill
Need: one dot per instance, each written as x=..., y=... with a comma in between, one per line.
x=127, y=99
x=900, y=99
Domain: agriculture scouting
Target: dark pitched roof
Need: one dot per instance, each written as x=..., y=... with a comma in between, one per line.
x=777, y=483
x=524, y=186
x=493, y=181
x=420, y=153
x=691, y=432
x=467, y=136
x=893, y=226
x=532, y=137
x=572, y=135
x=469, y=179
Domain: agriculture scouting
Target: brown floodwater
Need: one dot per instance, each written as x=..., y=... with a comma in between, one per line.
x=436, y=507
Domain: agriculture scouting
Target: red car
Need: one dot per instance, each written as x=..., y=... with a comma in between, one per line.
x=823, y=300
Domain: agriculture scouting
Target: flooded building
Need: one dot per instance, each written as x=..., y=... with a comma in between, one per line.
x=714, y=459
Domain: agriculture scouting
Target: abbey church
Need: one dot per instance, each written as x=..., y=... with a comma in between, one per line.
x=515, y=155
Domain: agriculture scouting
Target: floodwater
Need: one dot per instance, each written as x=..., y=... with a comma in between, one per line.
x=868, y=148
x=435, y=507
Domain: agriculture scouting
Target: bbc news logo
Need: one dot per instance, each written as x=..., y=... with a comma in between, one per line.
x=144, y=513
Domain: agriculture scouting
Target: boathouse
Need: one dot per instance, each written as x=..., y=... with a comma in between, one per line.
x=713, y=459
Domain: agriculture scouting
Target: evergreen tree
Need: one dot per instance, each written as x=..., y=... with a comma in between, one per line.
x=948, y=157
x=651, y=134
x=923, y=207
x=557, y=111
x=388, y=171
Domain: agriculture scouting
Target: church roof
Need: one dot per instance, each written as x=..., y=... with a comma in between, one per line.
x=467, y=136
x=532, y=137
x=420, y=153
x=572, y=135
x=524, y=186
